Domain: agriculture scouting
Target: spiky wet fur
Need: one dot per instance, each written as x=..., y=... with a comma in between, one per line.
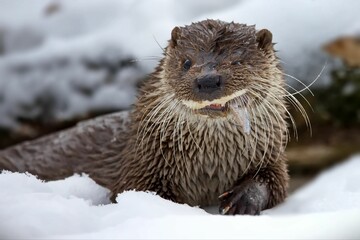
x=191, y=158
x=169, y=148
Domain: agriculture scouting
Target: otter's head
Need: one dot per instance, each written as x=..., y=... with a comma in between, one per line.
x=212, y=65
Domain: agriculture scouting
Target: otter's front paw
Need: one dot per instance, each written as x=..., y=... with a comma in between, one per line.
x=249, y=197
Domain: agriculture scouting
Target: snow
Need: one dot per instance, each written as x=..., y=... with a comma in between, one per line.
x=68, y=60
x=78, y=208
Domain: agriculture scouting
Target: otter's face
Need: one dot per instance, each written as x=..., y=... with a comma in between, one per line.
x=210, y=64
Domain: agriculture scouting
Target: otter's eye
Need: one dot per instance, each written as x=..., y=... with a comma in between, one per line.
x=236, y=63
x=187, y=64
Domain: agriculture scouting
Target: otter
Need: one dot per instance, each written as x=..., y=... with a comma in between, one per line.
x=209, y=127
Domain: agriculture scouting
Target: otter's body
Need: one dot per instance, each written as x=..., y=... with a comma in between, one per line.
x=209, y=121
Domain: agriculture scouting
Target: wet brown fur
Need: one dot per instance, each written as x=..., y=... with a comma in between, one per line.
x=168, y=148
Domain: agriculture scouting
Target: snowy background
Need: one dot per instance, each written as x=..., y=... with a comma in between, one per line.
x=77, y=208
x=62, y=59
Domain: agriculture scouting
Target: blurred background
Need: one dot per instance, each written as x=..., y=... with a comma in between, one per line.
x=65, y=61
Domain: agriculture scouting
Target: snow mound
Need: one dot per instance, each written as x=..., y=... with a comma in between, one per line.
x=77, y=208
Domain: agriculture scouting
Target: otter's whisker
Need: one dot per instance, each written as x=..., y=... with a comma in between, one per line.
x=281, y=105
x=277, y=115
x=149, y=112
x=274, y=112
x=191, y=135
x=150, y=129
x=302, y=96
x=163, y=49
x=292, y=100
x=164, y=126
x=298, y=80
x=264, y=130
x=308, y=86
x=150, y=58
x=179, y=136
x=298, y=106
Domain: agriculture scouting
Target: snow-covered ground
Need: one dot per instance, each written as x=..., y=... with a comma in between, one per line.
x=77, y=208
x=60, y=63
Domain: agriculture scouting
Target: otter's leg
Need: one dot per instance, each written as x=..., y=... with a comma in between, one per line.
x=254, y=193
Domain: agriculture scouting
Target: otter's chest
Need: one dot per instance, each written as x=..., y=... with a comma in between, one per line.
x=208, y=162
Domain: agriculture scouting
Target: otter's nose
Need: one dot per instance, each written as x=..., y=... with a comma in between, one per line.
x=209, y=83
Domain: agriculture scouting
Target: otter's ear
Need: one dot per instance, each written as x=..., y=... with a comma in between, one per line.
x=264, y=39
x=175, y=35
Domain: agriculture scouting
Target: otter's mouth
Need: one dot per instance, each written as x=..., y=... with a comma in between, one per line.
x=215, y=107
x=223, y=106
x=215, y=110
x=241, y=114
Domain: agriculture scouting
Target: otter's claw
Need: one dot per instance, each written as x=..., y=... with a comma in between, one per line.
x=225, y=210
x=225, y=194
